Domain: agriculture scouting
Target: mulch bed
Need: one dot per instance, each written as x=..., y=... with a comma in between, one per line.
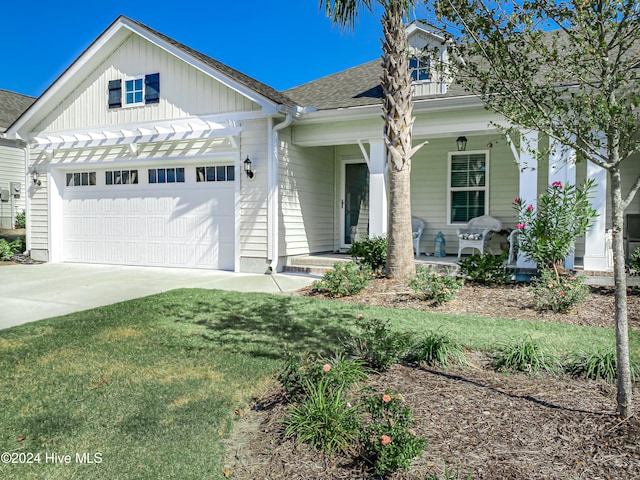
x=496, y=425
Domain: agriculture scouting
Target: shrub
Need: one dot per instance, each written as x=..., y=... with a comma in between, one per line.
x=371, y=252
x=6, y=250
x=549, y=230
x=438, y=348
x=525, y=355
x=634, y=262
x=558, y=293
x=21, y=220
x=596, y=365
x=376, y=344
x=435, y=286
x=338, y=372
x=388, y=440
x=485, y=269
x=324, y=419
x=343, y=280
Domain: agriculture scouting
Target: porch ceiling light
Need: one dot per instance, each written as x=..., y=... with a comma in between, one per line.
x=462, y=143
x=247, y=167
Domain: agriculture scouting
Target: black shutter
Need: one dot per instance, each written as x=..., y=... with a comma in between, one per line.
x=152, y=88
x=115, y=93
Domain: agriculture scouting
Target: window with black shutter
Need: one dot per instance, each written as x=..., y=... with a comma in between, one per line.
x=115, y=94
x=136, y=91
x=152, y=88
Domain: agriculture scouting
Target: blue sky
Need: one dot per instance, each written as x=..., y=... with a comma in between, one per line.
x=283, y=43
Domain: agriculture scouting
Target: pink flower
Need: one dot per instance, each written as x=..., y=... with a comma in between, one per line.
x=326, y=367
x=516, y=200
x=359, y=316
x=386, y=398
x=556, y=184
x=530, y=208
x=385, y=439
x=550, y=285
x=562, y=294
x=520, y=226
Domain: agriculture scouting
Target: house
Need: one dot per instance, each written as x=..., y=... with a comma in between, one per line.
x=12, y=173
x=146, y=152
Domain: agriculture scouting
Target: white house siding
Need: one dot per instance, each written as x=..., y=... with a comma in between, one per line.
x=11, y=170
x=429, y=186
x=184, y=92
x=306, y=198
x=253, y=194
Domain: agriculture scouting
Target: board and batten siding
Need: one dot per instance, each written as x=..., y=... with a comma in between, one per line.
x=185, y=92
x=11, y=170
x=306, y=176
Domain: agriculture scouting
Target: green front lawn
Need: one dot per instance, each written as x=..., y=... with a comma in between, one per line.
x=147, y=388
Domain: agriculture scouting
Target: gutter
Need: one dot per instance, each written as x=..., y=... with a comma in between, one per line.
x=273, y=219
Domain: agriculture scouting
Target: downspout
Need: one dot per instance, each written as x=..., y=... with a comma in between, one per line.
x=273, y=217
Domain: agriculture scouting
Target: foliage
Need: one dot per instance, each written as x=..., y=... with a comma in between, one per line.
x=449, y=475
x=371, y=252
x=435, y=286
x=324, y=419
x=486, y=269
x=525, y=355
x=388, y=438
x=345, y=279
x=567, y=70
x=634, y=262
x=377, y=344
x=549, y=230
x=596, y=364
x=437, y=348
x=21, y=220
x=558, y=293
x=338, y=372
x=6, y=250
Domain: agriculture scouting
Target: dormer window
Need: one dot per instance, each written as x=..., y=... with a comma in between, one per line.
x=420, y=69
x=140, y=90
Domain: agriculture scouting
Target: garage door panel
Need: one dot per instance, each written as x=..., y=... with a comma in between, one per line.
x=183, y=226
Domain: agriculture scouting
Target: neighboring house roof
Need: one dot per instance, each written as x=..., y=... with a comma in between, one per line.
x=11, y=107
x=356, y=87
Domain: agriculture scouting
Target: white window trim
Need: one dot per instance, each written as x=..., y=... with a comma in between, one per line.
x=426, y=67
x=124, y=91
x=486, y=188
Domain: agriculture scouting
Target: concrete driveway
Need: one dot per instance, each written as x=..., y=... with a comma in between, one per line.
x=34, y=292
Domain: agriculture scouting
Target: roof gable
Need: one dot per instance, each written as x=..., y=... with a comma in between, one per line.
x=266, y=97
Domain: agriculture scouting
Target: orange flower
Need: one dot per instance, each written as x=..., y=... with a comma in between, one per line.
x=385, y=439
x=386, y=398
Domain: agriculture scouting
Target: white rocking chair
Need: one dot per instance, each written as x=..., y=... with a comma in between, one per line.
x=417, y=226
x=478, y=231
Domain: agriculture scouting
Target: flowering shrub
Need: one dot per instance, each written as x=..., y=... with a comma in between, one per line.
x=338, y=372
x=388, y=440
x=343, y=280
x=548, y=231
x=486, y=269
x=435, y=286
x=558, y=293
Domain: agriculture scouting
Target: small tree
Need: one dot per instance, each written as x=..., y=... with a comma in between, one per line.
x=548, y=231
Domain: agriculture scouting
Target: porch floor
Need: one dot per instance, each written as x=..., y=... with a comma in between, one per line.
x=317, y=264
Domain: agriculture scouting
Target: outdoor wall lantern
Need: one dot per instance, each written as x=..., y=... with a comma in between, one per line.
x=247, y=167
x=462, y=143
x=34, y=177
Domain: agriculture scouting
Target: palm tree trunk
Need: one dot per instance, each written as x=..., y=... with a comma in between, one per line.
x=398, y=115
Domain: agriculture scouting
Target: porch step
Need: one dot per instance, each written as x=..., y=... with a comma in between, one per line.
x=315, y=264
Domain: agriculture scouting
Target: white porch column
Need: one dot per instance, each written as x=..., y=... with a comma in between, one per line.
x=528, y=162
x=562, y=168
x=595, y=248
x=377, y=188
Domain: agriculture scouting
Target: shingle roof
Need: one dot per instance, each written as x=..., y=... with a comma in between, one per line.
x=11, y=107
x=259, y=87
x=355, y=87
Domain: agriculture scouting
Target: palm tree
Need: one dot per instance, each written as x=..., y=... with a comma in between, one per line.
x=398, y=120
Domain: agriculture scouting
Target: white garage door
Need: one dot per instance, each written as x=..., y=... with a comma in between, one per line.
x=173, y=217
